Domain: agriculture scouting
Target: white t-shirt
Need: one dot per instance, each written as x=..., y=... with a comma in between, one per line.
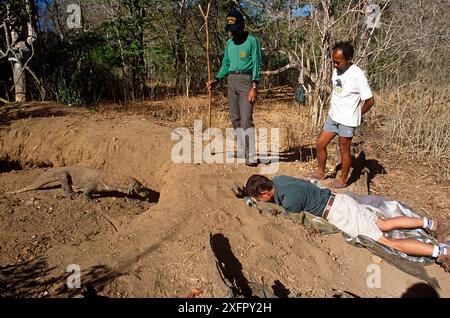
x=348, y=91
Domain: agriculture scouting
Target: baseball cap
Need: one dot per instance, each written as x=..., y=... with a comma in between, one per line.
x=234, y=20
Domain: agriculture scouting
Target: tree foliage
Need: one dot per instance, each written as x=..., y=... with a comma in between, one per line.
x=139, y=49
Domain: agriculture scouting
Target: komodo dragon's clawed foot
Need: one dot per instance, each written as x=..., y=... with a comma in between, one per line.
x=133, y=200
x=73, y=196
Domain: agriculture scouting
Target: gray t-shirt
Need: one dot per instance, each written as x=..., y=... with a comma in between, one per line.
x=296, y=195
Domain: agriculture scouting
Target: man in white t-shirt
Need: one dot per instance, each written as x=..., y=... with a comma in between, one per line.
x=350, y=88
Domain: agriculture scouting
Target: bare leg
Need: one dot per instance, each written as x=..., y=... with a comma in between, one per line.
x=321, y=147
x=408, y=246
x=399, y=222
x=346, y=159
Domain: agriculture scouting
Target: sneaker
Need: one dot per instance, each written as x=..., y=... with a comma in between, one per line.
x=442, y=230
x=444, y=260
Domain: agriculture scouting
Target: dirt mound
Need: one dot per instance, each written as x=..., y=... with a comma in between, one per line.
x=130, y=145
x=159, y=249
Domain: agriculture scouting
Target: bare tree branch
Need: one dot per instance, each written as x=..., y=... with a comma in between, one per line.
x=281, y=69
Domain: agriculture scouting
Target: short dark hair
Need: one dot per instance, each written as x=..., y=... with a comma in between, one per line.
x=256, y=184
x=346, y=48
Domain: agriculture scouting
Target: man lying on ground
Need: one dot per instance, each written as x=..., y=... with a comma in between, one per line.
x=341, y=210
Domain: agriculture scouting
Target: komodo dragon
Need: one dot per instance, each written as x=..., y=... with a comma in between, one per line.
x=88, y=179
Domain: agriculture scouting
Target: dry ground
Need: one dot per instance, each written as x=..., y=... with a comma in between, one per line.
x=160, y=249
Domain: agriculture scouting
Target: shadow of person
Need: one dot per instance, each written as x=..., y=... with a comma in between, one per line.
x=302, y=154
x=361, y=165
x=230, y=265
x=420, y=290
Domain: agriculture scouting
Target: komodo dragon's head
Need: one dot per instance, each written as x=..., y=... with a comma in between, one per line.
x=140, y=190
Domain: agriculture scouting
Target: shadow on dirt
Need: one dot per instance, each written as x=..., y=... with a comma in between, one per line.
x=420, y=290
x=34, y=278
x=7, y=165
x=361, y=165
x=280, y=290
x=231, y=273
x=230, y=265
x=302, y=154
x=153, y=195
x=30, y=110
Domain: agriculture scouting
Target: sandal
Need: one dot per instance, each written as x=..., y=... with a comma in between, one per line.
x=315, y=176
x=338, y=184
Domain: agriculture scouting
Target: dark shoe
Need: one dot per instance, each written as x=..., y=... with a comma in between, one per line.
x=444, y=260
x=251, y=163
x=442, y=230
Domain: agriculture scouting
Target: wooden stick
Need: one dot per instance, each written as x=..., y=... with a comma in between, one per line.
x=205, y=16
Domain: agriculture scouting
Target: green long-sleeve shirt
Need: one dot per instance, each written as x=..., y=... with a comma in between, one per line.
x=296, y=195
x=243, y=57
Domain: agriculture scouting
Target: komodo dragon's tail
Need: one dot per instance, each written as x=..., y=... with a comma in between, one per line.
x=43, y=180
x=30, y=188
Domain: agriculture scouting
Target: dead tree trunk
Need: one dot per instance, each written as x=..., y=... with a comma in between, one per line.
x=19, y=38
x=324, y=72
x=20, y=83
x=370, y=22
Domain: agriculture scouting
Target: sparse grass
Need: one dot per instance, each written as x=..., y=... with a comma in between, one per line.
x=294, y=124
x=410, y=123
x=414, y=122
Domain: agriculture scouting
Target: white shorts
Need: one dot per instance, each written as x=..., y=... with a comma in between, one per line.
x=351, y=218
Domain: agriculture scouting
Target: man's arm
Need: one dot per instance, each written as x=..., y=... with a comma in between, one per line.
x=367, y=105
x=365, y=92
x=256, y=74
x=225, y=64
x=256, y=61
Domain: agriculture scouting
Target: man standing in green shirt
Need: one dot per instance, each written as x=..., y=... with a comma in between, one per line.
x=242, y=66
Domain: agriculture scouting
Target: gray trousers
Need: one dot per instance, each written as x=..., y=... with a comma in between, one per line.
x=241, y=113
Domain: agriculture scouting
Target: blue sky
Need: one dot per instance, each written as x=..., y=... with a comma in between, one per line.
x=303, y=11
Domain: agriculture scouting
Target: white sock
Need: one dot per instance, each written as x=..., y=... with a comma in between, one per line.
x=439, y=250
x=435, y=251
x=428, y=223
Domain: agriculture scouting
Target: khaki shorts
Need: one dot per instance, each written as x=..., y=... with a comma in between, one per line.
x=351, y=218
